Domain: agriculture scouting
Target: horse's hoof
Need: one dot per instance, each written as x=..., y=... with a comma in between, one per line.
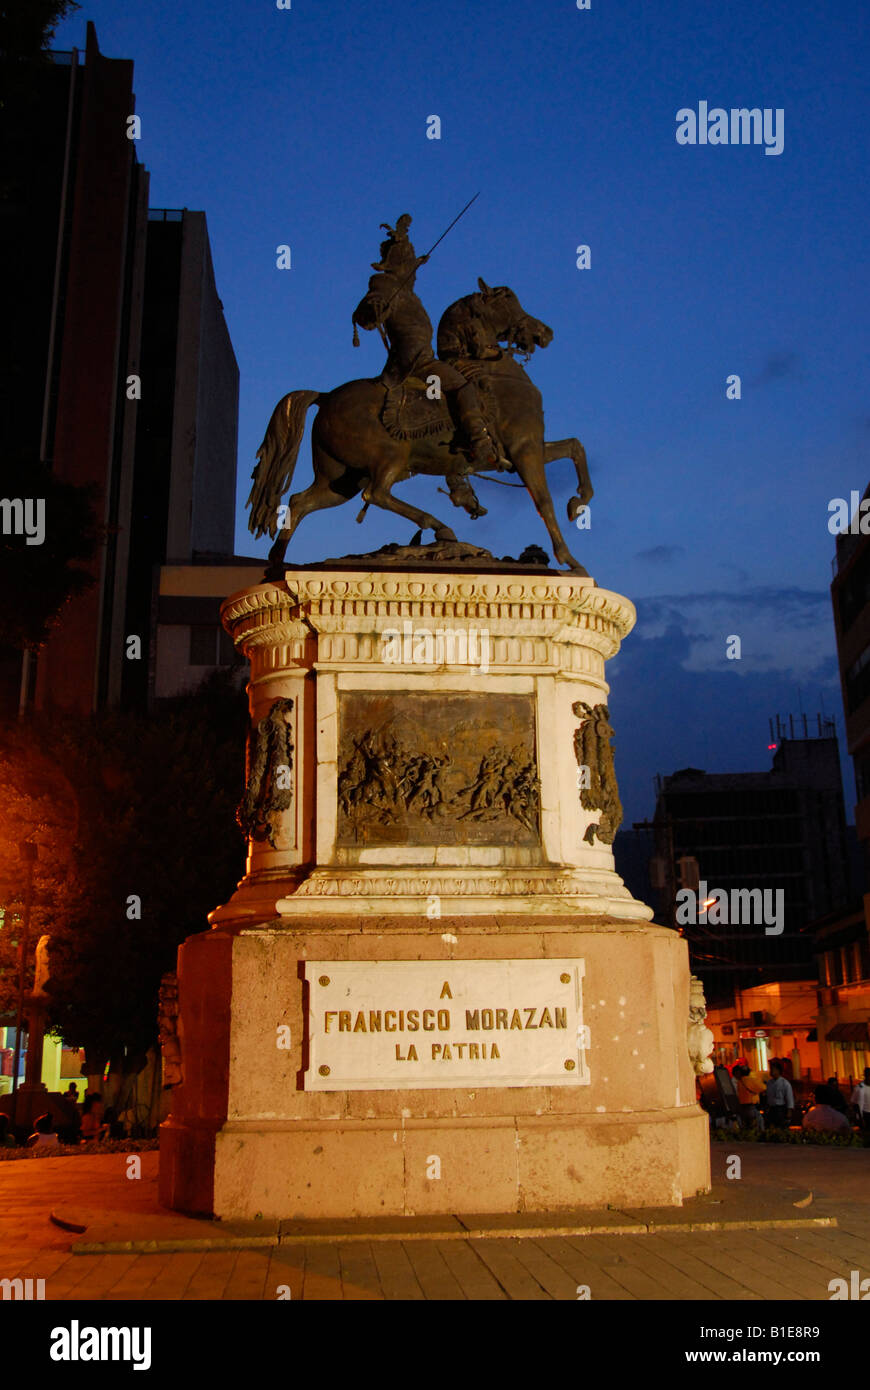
x=443, y=533
x=564, y=557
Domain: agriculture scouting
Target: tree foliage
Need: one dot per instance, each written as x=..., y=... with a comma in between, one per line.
x=152, y=804
x=27, y=29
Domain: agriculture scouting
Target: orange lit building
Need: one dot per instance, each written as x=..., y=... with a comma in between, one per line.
x=842, y=940
x=767, y=1021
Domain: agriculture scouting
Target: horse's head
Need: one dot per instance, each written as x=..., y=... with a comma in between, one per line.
x=510, y=321
x=383, y=290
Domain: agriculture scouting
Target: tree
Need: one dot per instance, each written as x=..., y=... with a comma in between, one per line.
x=27, y=28
x=38, y=807
x=156, y=847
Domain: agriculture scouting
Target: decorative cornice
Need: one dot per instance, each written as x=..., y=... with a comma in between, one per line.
x=472, y=597
x=531, y=620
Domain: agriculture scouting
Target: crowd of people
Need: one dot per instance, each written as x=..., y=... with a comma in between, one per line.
x=88, y=1122
x=769, y=1103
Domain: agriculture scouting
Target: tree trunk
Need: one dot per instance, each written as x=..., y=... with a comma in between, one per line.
x=95, y=1066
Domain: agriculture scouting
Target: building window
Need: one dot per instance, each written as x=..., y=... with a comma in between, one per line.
x=858, y=681
x=855, y=593
x=210, y=646
x=204, y=646
x=862, y=776
x=226, y=649
x=850, y=1059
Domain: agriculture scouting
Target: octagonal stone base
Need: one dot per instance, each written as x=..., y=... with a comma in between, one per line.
x=355, y=672
x=244, y=1140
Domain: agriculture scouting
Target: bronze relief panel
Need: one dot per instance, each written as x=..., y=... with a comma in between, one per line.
x=439, y=768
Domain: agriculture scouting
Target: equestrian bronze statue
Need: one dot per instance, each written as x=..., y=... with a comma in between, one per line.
x=471, y=409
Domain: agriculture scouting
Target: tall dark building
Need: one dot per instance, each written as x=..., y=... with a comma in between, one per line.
x=783, y=831
x=843, y=940
x=184, y=490
x=75, y=201
x=124, y=376
x=850, y=596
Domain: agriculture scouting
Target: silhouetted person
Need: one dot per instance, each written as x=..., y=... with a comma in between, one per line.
x=43, y=1136
x=780, y=1097
x=861, y=1101
x=112, y=1127
x=92, y=1117
x=749, y=1090
x=823, y=1117
x=70, y=1124
x=836, y=1097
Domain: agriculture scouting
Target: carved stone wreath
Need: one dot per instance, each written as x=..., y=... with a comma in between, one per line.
x=598, y=787
x=270, y=766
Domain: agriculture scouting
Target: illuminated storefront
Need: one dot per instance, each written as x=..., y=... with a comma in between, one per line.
x=770, y=1021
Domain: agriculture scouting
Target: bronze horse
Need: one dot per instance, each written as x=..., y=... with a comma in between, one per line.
x=354, y=453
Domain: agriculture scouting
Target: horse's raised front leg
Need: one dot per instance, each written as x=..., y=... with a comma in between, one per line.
x=572, y=449
x=529, y=460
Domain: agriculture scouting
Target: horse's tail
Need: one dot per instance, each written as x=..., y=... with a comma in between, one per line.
x=276, y=460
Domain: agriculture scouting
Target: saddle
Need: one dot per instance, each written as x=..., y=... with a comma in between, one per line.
x=408, y=413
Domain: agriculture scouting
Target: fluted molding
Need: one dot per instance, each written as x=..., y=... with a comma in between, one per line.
x=564, y=623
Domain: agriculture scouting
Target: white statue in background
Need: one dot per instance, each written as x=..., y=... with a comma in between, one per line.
x=42, y=969
x=699, y=1036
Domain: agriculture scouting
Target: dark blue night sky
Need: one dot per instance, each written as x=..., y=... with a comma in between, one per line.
x=308, y=127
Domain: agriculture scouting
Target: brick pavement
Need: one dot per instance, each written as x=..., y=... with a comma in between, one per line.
x=747, y=1258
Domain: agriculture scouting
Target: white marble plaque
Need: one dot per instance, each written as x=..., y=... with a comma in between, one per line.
x=405, y=1025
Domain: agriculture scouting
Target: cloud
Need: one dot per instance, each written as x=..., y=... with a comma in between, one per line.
x=788, y=631
x=675, y=700
x=778, y=366
x=660, y=554
x=741, y=575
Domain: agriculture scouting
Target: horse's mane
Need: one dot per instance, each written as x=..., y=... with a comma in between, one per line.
x=463, y=329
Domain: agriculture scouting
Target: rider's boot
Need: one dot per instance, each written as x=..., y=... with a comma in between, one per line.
x=482, y=451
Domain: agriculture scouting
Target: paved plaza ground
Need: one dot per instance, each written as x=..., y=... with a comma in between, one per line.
x=758, y=1238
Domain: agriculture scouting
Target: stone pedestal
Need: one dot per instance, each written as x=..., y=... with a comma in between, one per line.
x=430, y=782
x=35, y=1012
x=32, y=1097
